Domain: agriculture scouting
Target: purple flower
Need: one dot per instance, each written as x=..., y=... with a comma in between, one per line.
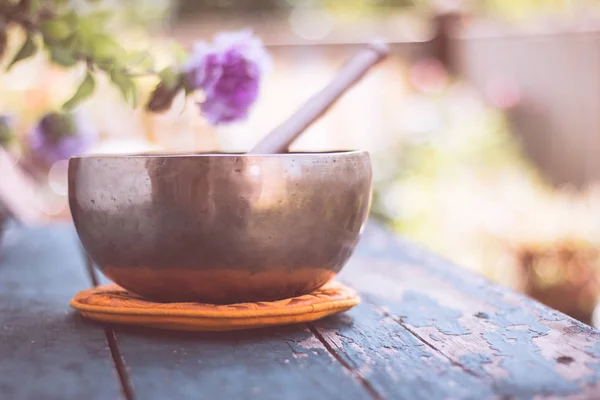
x=60, y=136
x=229, y=72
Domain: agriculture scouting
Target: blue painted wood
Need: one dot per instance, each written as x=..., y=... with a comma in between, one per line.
x=46, y=350
x=283, y=363
x=521, y=348
x=397, y=364
x=425, y=330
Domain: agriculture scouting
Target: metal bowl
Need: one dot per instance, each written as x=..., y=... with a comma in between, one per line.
x=220, y=228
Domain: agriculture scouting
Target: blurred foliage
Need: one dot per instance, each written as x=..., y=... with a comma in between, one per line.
x=461, y=185
x=524, y=9
x=467, y=137
x=76, y=34
x=185, y=7
x=511, y=9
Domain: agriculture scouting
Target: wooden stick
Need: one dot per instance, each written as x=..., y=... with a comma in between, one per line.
x=279, y=139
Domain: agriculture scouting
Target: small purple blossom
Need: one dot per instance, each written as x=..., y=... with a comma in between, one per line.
x=60, y=136
x=229, y=72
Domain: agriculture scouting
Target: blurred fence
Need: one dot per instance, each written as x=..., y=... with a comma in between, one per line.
x=555, y=83
x=548, y=83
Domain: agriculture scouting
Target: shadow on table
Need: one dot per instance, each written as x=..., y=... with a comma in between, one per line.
x=337, y=322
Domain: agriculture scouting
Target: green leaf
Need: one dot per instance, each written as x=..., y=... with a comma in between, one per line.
x=27, y=50
x=93, y=41
x=147, y=64
x=85, y=41
x=3, y=41
x=98, y=19
x=56, y=30
x=169, y=77
x=65, y=53
x=34, y=6
x=126, y=86
x=71, y=18
x=134, y=96
x=137, y=57
x=70, y=42
x=142, y=59
x=85, y=90
x=106, y=50
x=188, y=90
x=179, y=52
x=62, y=56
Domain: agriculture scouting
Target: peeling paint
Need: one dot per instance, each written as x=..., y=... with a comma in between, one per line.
x=529, y=372
x=420, y=310
x=475, y=362
x=310, y=343
x=507, y=321
x=396, y=363
x=514, y=316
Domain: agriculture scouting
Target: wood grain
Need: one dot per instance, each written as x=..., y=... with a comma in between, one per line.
x=522, y=348
x=46, y=350
x=425, y=330
x=283, y=363
x=395, y=363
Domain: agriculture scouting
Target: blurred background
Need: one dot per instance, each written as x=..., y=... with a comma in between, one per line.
x=483, y=125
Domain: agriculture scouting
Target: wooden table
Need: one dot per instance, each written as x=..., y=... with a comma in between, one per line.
x=425, y=330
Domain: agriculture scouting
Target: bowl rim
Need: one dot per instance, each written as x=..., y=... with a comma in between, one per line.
x=223, y=154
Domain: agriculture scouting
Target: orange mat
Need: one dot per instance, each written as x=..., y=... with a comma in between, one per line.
x=113, y=304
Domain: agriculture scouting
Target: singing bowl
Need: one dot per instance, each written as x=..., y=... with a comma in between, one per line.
x=220, y=228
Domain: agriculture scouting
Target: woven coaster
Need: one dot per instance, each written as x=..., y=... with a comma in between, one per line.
x=113, y=304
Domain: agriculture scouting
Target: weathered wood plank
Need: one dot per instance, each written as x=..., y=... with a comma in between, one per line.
x=285, y=363
x=425, y=330
x=46, y=350
x=394, y=362
x=521, y=347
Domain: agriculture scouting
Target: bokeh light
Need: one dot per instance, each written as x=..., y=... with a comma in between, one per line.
x=58, y=177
